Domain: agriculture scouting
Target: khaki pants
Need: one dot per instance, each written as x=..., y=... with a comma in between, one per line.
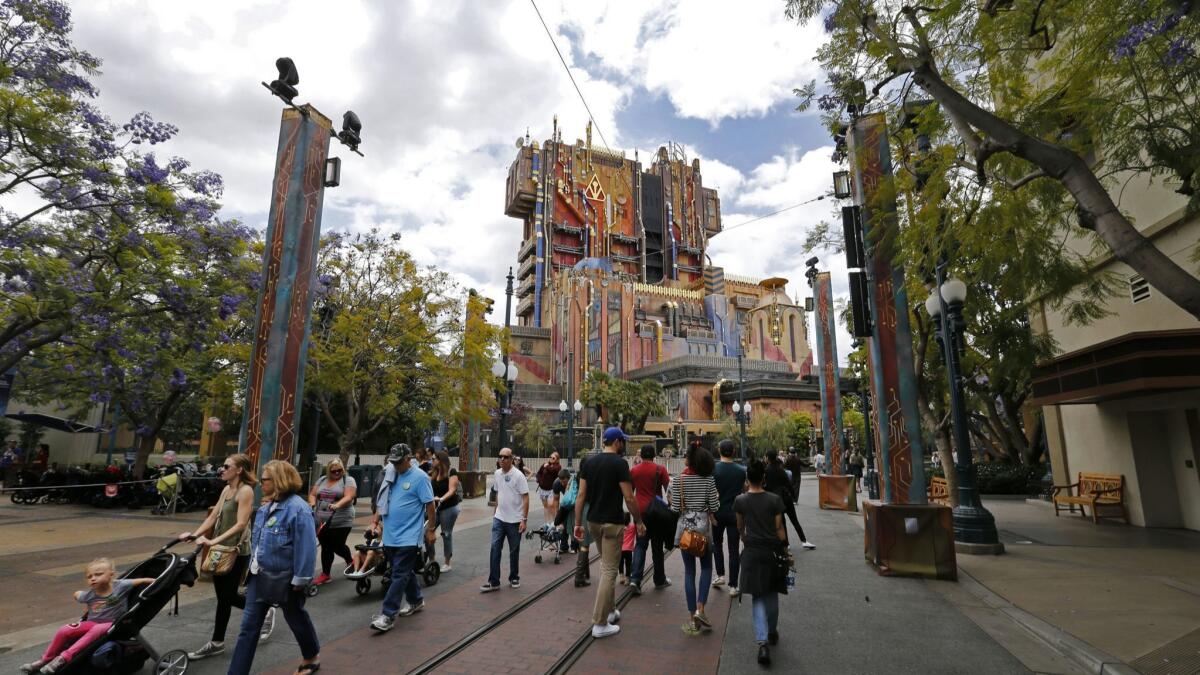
x=608, y=539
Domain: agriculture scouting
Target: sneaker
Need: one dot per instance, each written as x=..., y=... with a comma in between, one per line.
x=636, y=588
x=702, y=619
x=764, y=655
x=445, y=568
x=689, y=628
x=614, y=616
x=580, y=583
x=55, y=665
x=719, y=581
x=734, y=592
x=383, y=623
x=624, y=581
x=32, y=667
x=268, y=626
x=488, y=588
x=605, y=631
x=322, y=579
x=515, y=583
x=209, y=649
x=808, y=545
x=664, y=584
x=409, y=610
x=772, y=638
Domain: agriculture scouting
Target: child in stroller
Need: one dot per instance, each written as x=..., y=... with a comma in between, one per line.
x=108, y=639
x=369, y=560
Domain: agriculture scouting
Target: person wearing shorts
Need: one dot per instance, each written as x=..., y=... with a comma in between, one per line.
x=545, y=486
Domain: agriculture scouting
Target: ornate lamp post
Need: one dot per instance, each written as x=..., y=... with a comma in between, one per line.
x=741, y=412
x=973, y=524
x=508, y=371
x=568, y=417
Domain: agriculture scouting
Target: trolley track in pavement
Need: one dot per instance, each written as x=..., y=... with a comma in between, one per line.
x=467, y=641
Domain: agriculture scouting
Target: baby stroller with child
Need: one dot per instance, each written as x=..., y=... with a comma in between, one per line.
x=124, y=650
x=549, y=539
x=427, y=566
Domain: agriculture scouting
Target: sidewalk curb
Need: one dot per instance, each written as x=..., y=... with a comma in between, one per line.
x=1083, y=654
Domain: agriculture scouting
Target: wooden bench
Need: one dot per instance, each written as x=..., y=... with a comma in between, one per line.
x=939, y=491
x=1097, y=490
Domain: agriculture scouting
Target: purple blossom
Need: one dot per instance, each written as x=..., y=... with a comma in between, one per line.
x=148, y=172
x=142, y=127
x=144, y=431
x=69, y=368
x=1178, y=52
x=228, y=304
x=830, y=22
x=178, y=379
x=829, y=102
x=178, y=165
x=208, y=183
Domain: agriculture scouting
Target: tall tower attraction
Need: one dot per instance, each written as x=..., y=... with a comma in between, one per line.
x=613, y=276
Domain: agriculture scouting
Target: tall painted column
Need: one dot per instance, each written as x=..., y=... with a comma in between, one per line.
x=831, y=404
x=275, y=388
x=890, y=354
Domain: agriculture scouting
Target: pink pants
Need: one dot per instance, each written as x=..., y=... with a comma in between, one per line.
x=73, y=637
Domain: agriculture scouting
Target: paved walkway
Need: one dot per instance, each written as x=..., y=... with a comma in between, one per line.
x=1112, y=593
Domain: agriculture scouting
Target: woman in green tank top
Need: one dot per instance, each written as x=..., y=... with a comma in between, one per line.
x=228, y=523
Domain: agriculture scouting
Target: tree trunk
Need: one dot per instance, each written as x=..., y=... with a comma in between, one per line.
x=1124, y=240
x=145, y=447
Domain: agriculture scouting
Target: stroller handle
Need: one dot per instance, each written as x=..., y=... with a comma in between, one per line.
x=169, y=544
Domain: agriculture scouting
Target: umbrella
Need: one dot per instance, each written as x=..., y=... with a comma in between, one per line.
x=56, y=423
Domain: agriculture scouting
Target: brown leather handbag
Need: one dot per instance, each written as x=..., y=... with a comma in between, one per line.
x=218, y=559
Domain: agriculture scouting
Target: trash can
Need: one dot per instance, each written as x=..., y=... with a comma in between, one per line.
x=367, y=477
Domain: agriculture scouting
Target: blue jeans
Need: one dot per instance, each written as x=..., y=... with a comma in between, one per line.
x=766, y=616
x=501, y=531
x=727, y=524
x=404, y=578
x=252, y=621
x=689, y=577
x=655, y=544
x=446, y=519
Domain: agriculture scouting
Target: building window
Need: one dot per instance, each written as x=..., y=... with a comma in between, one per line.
x=1139, y=289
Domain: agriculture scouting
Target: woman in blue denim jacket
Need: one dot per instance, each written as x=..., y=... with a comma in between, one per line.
x=283, y=551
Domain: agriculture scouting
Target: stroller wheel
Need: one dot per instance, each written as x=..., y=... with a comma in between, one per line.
x=556, y=558
x=312, y=590
x=174, y=662
x=537, y=558
x=362, y=586
x=432, y=574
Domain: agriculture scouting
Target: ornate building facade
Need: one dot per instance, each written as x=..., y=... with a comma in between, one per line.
x=613, y=276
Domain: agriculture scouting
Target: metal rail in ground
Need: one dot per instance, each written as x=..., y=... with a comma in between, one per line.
x=471, y=638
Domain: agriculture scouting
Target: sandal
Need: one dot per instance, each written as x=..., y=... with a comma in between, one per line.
x=308, y=668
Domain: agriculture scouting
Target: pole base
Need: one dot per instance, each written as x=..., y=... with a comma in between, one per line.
x=968, y=548
x=914, y=540
x=836, y=493
x=973, y=524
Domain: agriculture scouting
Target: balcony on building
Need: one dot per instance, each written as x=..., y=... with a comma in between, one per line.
x=526, y=268
x=525, y=307
x=527, y=248
x=520, y=192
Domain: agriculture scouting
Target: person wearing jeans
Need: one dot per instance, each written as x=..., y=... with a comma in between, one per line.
x=283, y=542
x=405, y=510
x=445, y=490
x=508, y=520
x=694, y=496
x=731, y=480
x=760, y=520
x=649, y=481
x=604, y=486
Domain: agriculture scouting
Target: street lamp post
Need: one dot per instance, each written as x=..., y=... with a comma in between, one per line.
x=871, y=476
x=973, y=524
x=575, y=409
x=509, y=373
x=741, y=412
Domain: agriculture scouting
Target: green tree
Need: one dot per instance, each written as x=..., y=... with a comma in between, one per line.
x=379, y=325
x=1054, y=104
x=799, y=426
x=532, y=435
x=625, y=403
x=769, y=432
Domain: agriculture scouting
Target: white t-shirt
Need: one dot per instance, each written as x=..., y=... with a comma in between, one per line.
x=509, y=488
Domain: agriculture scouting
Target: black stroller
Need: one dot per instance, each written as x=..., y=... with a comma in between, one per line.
x=124, y=651
x=427, y=568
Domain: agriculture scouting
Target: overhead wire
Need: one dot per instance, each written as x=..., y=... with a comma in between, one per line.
x=573, y=82
x=773, y=213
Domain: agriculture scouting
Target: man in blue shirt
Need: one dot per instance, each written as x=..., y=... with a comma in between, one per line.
x=731, y=482
x=405, y=507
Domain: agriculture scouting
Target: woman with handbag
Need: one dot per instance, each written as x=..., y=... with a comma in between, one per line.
x=225, y=536
x=447, y=491
x=332, y=500
x=693, y=494
x=283, y=551
x=760, y=523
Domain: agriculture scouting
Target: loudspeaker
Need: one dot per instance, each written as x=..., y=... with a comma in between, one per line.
x=860, y=309
x=855, y=251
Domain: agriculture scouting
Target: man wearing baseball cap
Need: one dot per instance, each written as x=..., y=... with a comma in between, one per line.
x=604, y=483
x=406, y=509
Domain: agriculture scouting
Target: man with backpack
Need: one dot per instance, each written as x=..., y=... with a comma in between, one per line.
x=650, y=480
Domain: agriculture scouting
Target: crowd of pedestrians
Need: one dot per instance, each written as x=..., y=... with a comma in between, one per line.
x=721, y=515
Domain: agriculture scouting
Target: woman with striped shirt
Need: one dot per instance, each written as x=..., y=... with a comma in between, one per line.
x=694, y=495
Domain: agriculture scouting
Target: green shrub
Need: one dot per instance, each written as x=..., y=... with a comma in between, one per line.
x=998, y=478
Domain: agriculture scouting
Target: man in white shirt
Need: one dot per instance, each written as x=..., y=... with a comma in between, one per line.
x=508, y=520
x=819, y=462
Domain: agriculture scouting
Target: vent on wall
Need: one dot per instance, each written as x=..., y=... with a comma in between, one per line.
x=1139, y=289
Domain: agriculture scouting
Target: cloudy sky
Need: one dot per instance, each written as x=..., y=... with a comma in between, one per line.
x=444, y=89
